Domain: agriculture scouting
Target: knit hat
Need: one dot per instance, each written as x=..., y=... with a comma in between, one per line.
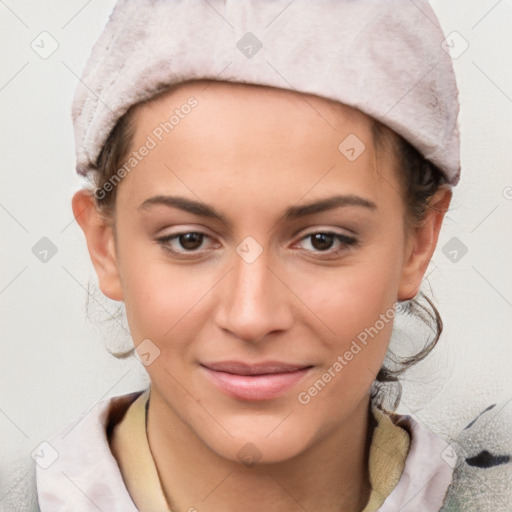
x=386, y=58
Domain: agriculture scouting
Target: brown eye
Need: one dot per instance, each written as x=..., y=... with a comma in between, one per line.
x=187, y=243
x=191, y=241
x=329, y=243
x=322, y=241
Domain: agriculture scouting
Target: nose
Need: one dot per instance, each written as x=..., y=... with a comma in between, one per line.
x=253, y=300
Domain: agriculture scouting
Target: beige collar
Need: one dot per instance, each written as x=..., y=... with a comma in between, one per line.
x=130, y=447
x=388, y=451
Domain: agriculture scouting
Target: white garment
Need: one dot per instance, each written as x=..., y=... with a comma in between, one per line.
x=85, y=476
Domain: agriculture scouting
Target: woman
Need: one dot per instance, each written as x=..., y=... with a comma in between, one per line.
x=268, y=183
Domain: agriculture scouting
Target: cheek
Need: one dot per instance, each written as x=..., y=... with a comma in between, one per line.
x=357, y=305
x=159, y=297
x=361, y=314
x=350, y=298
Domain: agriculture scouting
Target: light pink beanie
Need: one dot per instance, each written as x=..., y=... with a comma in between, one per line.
x=386, y=58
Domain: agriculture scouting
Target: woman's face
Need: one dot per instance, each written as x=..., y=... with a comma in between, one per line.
x=269, y=321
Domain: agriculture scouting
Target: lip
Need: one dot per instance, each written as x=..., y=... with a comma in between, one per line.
x=255, y=382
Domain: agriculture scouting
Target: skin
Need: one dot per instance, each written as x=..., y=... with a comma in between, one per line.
x=250, y=153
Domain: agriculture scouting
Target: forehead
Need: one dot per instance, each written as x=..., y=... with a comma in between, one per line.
x=247, y=136
x=230, y=99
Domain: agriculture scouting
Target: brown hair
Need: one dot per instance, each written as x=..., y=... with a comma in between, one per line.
x=420, y=180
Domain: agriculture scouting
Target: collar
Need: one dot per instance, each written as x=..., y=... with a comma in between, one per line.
x=86, y=476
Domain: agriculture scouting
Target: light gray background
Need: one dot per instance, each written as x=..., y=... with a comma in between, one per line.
x=53, y=361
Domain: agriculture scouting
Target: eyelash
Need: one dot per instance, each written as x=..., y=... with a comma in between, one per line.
x=347, y=242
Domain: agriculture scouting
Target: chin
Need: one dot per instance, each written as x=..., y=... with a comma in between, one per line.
x=266, y=442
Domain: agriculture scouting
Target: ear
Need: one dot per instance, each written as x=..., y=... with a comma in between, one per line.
x=99, y=234
x=421, y=244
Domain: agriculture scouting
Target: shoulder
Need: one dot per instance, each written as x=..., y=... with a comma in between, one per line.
x=425, y=476
x=482, y=480
x=80, y=453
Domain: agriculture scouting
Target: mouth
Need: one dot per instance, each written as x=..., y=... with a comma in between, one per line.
x=254, y=382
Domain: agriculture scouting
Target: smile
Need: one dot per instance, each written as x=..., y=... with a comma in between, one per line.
x=263, y=381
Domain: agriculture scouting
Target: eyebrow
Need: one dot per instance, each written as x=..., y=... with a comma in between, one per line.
x=291, y=213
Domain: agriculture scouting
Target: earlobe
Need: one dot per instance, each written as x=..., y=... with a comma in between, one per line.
x=422, y=243
x=99, y=235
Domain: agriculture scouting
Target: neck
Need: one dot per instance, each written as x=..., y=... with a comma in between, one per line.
x=330, y=475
